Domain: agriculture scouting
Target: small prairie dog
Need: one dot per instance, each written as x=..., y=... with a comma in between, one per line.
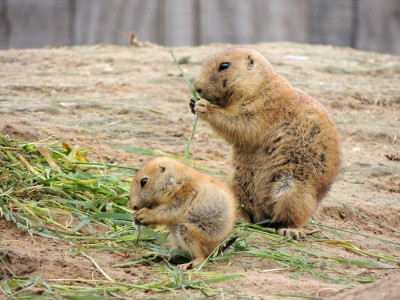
x=285, y=145
x=198, y=210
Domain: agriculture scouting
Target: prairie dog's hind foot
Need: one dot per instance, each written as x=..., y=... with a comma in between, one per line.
x=296, y=233
x=184, y=267
x=191, y=264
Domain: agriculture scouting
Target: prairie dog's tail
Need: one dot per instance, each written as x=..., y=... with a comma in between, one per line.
x=293, y=203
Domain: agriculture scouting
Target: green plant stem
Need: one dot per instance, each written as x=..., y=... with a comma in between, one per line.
x=195, y=98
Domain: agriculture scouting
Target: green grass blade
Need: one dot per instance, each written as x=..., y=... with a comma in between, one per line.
x=221, y=278
x=86, y=297
x=195, y=98
x=189, y=143
x=103, y=215
x=94, y=164
x=142, y=151
x=158, y=237
x=189, y=84
x=298, y=296
x=367, y=264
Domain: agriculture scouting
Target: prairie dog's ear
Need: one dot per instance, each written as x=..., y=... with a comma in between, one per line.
x=250, y=62
x=162, y=168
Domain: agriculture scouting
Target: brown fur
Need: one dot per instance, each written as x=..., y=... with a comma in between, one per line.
x=198, y=210
x=285, y=145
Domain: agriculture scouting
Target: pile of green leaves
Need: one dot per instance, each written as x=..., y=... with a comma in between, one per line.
x=42, y=182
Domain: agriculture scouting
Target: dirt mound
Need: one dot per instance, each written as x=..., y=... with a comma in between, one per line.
x=21, y=132
x=384, y=289
x=362, y=217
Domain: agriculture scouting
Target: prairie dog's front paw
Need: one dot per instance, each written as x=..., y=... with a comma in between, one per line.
x=202, y=108
x=144, y=217
x=192, y=104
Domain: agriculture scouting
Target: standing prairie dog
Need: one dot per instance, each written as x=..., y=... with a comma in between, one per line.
x=198, y=210
x=285, y=145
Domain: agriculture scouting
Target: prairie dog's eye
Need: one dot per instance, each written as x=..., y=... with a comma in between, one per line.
x=143, y=181
x=223, y=66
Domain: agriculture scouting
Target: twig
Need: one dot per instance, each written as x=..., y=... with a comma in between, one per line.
x=97, y=266
x=354, y=232
x=4, y=263
x=364, y=216
x=27, y=164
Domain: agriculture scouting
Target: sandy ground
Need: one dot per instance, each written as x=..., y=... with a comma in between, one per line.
x=107, y=97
